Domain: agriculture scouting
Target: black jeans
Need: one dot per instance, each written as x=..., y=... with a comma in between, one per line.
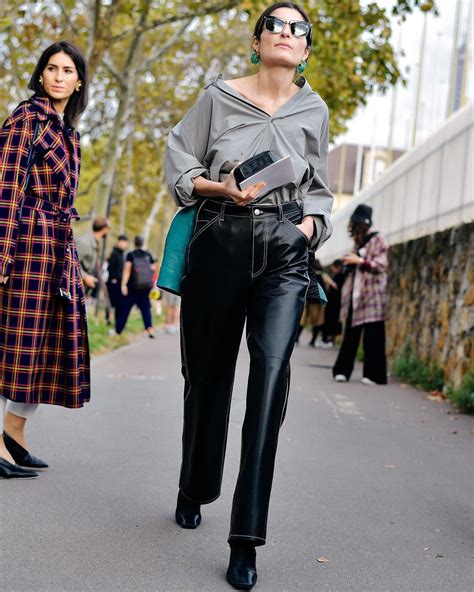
x=245, y=264
x=375, y=363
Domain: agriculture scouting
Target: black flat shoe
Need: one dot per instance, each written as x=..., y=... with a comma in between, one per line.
x=21, y=456
x=188, y=513
x=242, y=571
x=9, y=471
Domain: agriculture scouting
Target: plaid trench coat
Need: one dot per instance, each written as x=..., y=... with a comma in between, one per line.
x=44, y=351
x=367, y=285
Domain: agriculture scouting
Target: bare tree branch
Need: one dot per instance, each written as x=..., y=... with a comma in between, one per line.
x=164, y=48
x=205, y=11
x=95, y=16
x=115, y=73
x=89, y=186
x=67, y=17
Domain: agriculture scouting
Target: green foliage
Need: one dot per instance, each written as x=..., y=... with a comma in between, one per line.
x=463, y=397
x=410, y=368
x=149, y=60
x=404, y=7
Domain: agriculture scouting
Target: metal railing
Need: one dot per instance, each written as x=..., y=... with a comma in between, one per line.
x=427, y=190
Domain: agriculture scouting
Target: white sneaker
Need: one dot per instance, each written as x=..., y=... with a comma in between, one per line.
x=326, y=345
x=368, y=382
x=340, y=378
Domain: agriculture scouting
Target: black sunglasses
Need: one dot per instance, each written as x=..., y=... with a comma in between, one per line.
x=297, y=28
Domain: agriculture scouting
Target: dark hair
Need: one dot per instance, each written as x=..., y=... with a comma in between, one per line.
x=78, y=100
x=257, y=32
x=337, y=263
x=317, y=265
x=122, y=237
x=139, y=241
x=100, y=224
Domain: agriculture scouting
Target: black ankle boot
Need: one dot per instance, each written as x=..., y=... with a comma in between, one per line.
x=242, y=570
x=188, y=513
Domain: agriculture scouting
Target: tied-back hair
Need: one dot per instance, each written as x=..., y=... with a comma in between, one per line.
x=78, y=100
x=257, y=32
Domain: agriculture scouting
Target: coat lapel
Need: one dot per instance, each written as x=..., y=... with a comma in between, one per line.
x=50, y=144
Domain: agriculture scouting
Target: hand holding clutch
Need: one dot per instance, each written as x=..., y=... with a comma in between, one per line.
x=241, y=198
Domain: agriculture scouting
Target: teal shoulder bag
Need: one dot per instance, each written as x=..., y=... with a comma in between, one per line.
x=177, y=241
x=323, y=299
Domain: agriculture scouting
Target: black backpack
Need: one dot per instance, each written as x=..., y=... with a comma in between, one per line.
x=142, y=273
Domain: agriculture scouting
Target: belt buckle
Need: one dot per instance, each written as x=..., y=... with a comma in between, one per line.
x=65, y=294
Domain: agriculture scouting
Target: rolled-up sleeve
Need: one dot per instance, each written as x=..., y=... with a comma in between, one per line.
x=185, y=151
x=317, y=198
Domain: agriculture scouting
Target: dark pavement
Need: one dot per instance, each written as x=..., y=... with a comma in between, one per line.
x=377, y=480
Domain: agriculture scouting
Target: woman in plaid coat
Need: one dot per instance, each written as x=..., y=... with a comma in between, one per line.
x=44, y=353
x=364, y=297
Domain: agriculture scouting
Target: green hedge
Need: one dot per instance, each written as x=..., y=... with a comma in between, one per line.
x=463, y=397
x=411, y=369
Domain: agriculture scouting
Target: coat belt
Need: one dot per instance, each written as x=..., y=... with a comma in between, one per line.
x=64, y=248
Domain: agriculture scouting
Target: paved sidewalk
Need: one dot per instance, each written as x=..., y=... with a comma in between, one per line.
x=377, y=480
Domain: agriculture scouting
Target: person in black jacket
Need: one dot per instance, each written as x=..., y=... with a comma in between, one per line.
x=115, y=271
x=137, y=281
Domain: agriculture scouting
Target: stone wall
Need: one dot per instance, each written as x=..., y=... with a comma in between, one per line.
x=431, y=300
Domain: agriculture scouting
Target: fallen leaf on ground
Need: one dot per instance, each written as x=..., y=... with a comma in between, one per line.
x=426, y=549
x=322, y=560
x=439, y=555
x=436, y=396
x=389, y=466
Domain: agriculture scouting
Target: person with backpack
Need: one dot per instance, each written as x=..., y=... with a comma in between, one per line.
x=137, y=281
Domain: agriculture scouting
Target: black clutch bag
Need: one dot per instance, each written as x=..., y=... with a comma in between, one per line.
x=254, y=164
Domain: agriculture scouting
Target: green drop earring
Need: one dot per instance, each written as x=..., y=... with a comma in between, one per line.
x=255, y=57
x=301, y=67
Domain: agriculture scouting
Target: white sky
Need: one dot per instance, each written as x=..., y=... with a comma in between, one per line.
x=371, y=124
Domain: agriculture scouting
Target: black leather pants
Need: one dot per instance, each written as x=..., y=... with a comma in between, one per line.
x=245, y=264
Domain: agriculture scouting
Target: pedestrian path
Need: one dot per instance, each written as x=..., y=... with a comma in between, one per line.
x=375, y=482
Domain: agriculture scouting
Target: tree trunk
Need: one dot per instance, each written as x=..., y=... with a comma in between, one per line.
x=128, y=188
x=150, y=221
x=104, y=187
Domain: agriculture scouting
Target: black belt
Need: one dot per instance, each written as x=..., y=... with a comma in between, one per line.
x=232, y=209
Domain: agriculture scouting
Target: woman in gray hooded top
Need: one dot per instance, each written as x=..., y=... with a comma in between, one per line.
x=247, y=263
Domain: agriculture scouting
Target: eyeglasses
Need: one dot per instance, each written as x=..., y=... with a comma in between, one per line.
x=297, y=28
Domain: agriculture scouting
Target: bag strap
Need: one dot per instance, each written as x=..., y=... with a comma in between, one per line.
x=29, y=164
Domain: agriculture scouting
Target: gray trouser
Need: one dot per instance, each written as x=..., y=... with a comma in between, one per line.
x=18, y=409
